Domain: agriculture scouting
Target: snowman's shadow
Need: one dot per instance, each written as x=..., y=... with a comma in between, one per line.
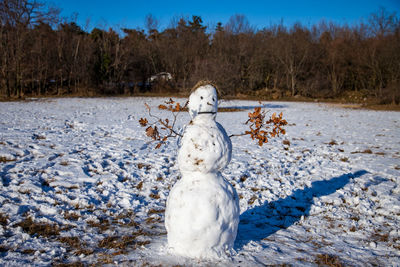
x=262, y=221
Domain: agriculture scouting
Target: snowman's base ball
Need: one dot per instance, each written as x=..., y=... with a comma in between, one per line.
x=202, y=215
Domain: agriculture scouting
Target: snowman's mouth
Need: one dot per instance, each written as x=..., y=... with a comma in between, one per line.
x=206, y=112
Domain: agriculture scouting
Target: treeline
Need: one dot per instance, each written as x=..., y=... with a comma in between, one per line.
x=42, y=54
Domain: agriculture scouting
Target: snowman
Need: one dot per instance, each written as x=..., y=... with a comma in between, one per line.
x=202, y=212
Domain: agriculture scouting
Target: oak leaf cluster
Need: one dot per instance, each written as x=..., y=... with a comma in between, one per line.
x=262, y=129
x=166, y=126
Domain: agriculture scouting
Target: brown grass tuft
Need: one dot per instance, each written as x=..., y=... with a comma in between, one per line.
x=38, y=137
x=286, y=142
x=70, y=264
x=3, y=219
x=28, y=251
x=154, y=211
x=143, y=165
x=5, y=160
x=366, y=151
x=40, y=229
x=380, y=237
x=243, y=177
x=72, y=216
x=252, y=199
x=139, y=186
x=103, y=225
x=328, y=260
x=332, y=143
x=122, y=242
x=71, y=241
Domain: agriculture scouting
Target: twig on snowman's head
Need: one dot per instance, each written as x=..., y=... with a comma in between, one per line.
x=263, y=130
x=167, y=127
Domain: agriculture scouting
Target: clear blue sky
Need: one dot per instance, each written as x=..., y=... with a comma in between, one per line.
x=131, y=14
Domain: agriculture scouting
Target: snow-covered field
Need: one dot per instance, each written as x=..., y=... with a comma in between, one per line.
x=80, y=182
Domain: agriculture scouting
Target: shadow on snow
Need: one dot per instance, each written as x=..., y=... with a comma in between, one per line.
x=262, y=221
x=266, y=106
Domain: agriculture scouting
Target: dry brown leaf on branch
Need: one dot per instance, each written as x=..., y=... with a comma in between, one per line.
x=143, y=122
x=158, y=145
x=170, y=101
x=261, y=129
x=166, y=127
x=153, y=132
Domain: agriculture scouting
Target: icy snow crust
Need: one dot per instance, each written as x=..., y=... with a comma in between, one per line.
x=85, y=169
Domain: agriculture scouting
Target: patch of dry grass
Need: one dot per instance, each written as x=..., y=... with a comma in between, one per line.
x=152, y=220
x=38, y=137
x=3, y=219
x=72, y=216
x=71, y=264
x=103, y=224
x=243, y=178
x=328, y=260
x=379, y=237
x=332, y=143
x=28, y=251
x=252, y=200
x=74, y=243
x=121, y=243
x=366, y=151
x=143, y=165
x=39, y=228
x=139, y=186
x=5, y=160
x=154, y=195
x=154, y=211
x=4, y=248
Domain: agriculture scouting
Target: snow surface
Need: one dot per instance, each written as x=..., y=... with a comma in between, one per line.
x=86, y=168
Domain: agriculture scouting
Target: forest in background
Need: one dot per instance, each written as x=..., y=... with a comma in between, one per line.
x=43, y=54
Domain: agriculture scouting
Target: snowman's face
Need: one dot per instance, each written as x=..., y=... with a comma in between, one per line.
x=203, y=100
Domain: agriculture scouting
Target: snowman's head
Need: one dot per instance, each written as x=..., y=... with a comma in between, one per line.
x=203, y=100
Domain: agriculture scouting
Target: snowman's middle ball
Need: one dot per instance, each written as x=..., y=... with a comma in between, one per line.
x=205, y=146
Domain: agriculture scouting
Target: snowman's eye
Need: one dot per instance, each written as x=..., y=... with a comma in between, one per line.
x=201, y=97
x=213, y=99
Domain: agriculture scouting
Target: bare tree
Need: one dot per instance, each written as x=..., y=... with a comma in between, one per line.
x=291, y=50
x=17, y=17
